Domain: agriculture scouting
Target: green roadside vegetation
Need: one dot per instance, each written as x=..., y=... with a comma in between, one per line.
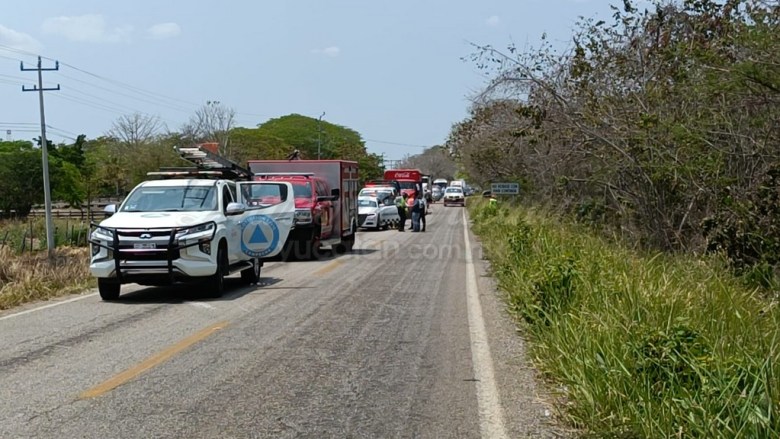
x=27, y=274
x=638, y=345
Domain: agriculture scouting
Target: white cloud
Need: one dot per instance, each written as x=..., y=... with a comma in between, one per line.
x=493, y=21
x=332, y=51
x=18, y=40
x=161, y=31
x=89, y=28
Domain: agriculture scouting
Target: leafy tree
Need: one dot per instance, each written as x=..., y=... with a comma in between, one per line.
x=648, y=119
x=308, y=135
x=436, y=161
x=21, y=177
x=253, y=143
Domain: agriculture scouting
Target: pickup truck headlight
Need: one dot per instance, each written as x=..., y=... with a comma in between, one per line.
x=102, y=234
x=302, y=216
x=199, y=231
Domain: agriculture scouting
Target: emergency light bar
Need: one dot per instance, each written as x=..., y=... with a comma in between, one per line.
x=271, y=174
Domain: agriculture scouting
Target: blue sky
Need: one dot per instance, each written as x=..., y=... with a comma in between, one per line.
x=390, y=70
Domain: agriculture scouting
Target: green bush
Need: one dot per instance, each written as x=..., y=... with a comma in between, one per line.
x=644, y=346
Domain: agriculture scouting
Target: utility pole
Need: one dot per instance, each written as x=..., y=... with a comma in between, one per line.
x=319, y=136
x=44, y=149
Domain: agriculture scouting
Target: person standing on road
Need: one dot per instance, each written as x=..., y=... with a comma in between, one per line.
x=423, y=212
x=400, y=203
x=416, y=208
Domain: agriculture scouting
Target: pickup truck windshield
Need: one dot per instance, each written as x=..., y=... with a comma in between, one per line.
x=172, y=199
x=302, y=190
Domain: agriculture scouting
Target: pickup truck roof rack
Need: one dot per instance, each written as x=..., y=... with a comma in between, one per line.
x=171, y=172
x=206, y=160
x=283, y=174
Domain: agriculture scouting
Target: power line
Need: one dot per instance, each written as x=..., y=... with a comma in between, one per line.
x=397, y=144
x=160, y=103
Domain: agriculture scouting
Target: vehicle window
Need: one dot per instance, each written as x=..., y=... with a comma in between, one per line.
x=172, y=199
x=302, y=190
x=453, y=190
x=258, y=196
x=226, y=198
x=367, y=203
x=408, y=185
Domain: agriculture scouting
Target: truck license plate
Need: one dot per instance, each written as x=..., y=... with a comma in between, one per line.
x=144, y=245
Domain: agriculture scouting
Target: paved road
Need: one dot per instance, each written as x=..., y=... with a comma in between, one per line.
x=404, y=338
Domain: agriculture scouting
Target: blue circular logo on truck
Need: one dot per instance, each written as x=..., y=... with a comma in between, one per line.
x=259, y=236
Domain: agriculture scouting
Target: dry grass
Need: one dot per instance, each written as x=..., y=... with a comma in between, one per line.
x=30, y=277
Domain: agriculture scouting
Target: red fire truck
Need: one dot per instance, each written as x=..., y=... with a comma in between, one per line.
x=326, y=212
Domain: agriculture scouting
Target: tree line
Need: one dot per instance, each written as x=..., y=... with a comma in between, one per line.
x=660, y=125
x=114, y=163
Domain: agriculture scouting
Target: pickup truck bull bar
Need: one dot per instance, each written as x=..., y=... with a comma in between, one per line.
x=171, y=251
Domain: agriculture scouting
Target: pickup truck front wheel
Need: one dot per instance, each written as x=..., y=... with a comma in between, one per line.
x=108, y=290
x=216, y=283
x=251, y=275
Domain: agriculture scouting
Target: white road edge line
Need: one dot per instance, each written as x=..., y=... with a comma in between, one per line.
x=51, y=305
x=491, y=417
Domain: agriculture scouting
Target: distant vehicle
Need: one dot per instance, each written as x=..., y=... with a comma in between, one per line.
x=458, y=183
x=409, y=180
x=454, y=195
x=380, y=189
x=441, y=183
x=437, y=193
x=374, y=213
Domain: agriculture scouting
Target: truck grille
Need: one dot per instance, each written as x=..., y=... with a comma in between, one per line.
x=128, y=254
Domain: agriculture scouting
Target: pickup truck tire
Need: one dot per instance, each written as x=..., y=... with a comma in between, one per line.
x=251, y=275
x=216, y=283
x=108, y=290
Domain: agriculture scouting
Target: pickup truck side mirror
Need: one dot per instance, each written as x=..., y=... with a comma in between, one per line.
x=335, y=193
x=109, y=210
x=235, y=208
x=325, y=198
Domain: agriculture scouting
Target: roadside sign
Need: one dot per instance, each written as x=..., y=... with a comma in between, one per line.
x=505, y=188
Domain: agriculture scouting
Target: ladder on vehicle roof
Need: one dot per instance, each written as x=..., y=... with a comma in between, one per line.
x=202, y=157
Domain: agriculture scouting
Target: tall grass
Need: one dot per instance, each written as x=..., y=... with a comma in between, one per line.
x=29, y=275
x=641, y=346
x=29, y=235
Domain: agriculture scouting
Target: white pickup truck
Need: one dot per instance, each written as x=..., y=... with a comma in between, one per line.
x=193, y=230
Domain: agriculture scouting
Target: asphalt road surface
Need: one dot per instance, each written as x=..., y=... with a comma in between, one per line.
x=404, y=338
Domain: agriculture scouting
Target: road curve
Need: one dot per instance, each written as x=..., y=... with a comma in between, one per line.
x=404, y=338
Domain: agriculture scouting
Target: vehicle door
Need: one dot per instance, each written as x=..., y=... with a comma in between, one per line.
x=387, y=208
x=268, y=219
x=232, y=225
x=327, y=206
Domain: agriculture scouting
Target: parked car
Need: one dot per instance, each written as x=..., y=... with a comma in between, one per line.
x=375, y=213
x=454, y=195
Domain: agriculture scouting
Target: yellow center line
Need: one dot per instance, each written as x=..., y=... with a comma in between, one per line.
x=328, y=268
x=154, y=360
